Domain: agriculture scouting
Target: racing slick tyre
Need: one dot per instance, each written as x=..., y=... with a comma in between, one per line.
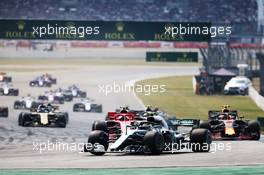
x=61, y=121
x=23, y=119
x=32, y=84
x=100, y=125
x=16, y=92
x=66, y=114
x=48, y=84
x=77, y=108
x=17, y=105
x=200, y=140
x=98, y=137
x=254, y=129
x=4, y=112
x=205, y=125
x=8, y=79
x=99, y=109
x=54, y=81
x=83, y=94
x=154, y=141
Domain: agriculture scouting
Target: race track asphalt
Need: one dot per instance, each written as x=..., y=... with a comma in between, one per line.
x=16, y=143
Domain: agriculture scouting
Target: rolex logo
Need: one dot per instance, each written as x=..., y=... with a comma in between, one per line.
x=120, y=27
x=70, y=25
x=21, y=25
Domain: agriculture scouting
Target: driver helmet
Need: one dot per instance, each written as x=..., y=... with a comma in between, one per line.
x=148, y=109
x=225, y=109
x=123, y=110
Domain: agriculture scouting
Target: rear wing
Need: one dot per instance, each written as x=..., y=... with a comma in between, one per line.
x=112, y=115
x=212, y=114
x=175, y=123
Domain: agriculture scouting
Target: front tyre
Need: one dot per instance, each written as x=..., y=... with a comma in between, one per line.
x=254, y=129
x=61, y=121
x=200, y=140
x=154, y=141
x=98, y=138
x=100, y=125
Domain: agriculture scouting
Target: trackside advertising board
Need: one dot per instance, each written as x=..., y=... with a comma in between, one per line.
x=104, y=30
x=172, y=57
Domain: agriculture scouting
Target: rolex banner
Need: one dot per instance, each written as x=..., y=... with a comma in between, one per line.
x=104, y=30
x=172, y=57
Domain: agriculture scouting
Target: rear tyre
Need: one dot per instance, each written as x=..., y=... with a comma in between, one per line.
x=205, y=125
x=254, y=129
x=98, y=137
x=4, y=112
x=24, y=119
x=154, y=141
x=200, y=140
x=21, y=119
x=61, y=122
x=100, y=125
x=16, y=93
x=75, y=108
x=16, y=105
x=32, y=84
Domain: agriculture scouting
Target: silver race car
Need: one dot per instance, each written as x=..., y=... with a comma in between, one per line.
x=151, y=135
x=87, y=105
x=27, y=102
x=8, y=90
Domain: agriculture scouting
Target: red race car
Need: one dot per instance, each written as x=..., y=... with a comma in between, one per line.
x=116, y=123
x=226, y=124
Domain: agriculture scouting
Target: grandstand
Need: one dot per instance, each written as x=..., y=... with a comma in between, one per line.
x=218, y=11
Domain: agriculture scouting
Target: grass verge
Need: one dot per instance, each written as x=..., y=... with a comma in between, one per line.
x=179, y=100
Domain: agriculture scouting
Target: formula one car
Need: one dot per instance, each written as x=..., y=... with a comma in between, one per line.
x=76, y=92
x=226, y=124
x=66, y=94
x=8, y=90
x=51, y=97
x=116, y=123
x=87, y=105
x=3, y=111
x=4, y=78
x=150, y=136
x=40, y=82
x=48, y=77
x=26, y=103
x=44, y=115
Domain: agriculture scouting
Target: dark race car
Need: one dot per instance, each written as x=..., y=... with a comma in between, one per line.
x=51, y=97
x=151, y=136
x=77, y=92
x=44, y=115
x=8, y=90
x=3, y=111
x=48, y=77
x=4, y=78
x=26, y=103
x=226, y=124
x=40, y=82
x=87, y=105
x=67, y=95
